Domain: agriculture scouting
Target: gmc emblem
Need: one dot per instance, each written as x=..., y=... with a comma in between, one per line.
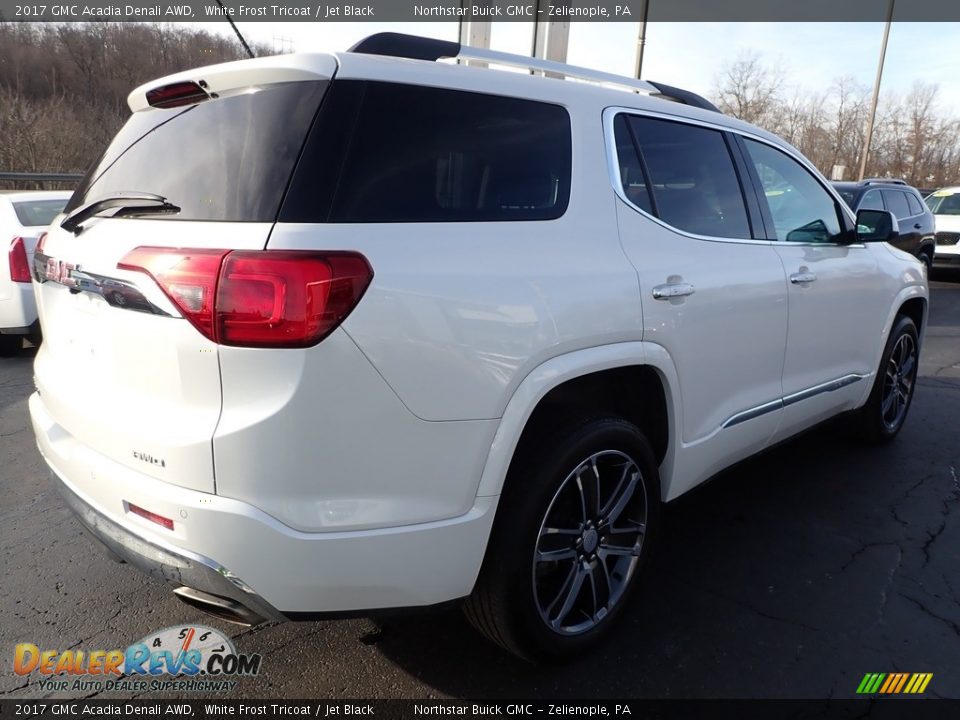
x=60, y=272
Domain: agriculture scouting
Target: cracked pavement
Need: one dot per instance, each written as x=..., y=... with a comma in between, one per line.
x=789, y=576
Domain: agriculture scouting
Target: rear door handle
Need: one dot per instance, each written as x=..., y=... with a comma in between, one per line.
x=917, y=226
x=672, y=290
x=804, y=276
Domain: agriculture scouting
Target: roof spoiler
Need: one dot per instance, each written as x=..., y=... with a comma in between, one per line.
x=414, y=47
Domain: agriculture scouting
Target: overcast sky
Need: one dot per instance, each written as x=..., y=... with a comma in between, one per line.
x=689, y=55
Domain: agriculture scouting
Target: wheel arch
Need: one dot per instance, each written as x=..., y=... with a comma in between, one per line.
x=567, y=384
x=911, y=301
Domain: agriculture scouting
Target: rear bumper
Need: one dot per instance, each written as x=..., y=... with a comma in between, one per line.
x=233, y=550
x=947, y=259
x=18, y=310
x=192, y=575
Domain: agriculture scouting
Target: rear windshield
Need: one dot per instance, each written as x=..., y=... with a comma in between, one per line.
x=228, y=159
x=38, y=213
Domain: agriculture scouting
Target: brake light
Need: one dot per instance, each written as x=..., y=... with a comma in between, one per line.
x=19, y=268
x=176, y=95
x=262, y=298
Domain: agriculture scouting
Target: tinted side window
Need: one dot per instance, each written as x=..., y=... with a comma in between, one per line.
x=802, y=209
x=871, y=201
x=691, y=172
x=896, y=203
x=386, y=152
x=632, y=177
x=915, y=207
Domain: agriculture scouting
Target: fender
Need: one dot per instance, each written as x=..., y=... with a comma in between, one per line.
x=907, y=293
x=556, y=371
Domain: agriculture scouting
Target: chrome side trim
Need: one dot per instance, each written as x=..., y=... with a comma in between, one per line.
x=822, y=388
x=754, y=412
x=791, y=399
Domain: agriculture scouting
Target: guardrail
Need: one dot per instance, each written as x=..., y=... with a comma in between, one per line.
x=40, y=177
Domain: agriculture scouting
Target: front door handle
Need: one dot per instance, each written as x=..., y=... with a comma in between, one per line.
x=672, y=290
x=804, y=276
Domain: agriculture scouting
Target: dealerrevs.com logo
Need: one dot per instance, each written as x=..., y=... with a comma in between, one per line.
x=181, y=658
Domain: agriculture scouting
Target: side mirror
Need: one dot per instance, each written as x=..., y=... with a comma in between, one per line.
x=877, y=226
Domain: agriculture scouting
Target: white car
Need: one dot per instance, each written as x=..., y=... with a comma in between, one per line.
x=23, y=216
x=454, y=333
x=945, y=206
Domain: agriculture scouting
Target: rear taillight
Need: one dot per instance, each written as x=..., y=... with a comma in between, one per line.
x=19, y=267
x=265, y=298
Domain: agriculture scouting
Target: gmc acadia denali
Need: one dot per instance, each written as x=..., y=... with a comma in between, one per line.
x=369, y=330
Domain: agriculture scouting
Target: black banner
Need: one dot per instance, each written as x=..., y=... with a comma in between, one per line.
x=497, y=10
x=918, y=709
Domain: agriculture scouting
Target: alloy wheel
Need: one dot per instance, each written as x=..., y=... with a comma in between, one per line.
x=589, y=543
x=898, y=382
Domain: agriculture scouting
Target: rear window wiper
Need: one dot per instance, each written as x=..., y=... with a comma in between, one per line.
x=127, y=203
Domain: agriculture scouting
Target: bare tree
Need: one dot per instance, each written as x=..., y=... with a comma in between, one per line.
x=748, y=89
x=913, y=139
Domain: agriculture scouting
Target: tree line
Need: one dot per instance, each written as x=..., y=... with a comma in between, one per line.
x=913, y=138
x=64, y=87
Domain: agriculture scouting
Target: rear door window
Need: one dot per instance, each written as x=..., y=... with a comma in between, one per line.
x=692, y=178
x=896, y=202
x=228, y=159
x=387, y=152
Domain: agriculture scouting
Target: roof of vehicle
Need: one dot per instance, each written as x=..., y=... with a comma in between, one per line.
x=853, y=185
x=940, y=192
x=583, y=85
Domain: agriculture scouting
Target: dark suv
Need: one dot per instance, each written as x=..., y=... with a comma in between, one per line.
x=905, y=202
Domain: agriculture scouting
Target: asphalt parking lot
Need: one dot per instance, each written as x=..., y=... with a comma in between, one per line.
x=790, y=576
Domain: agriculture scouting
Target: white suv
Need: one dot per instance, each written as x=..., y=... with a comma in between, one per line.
x=357, y=331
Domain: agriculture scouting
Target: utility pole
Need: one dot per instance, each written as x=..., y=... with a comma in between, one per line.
x=876, y=95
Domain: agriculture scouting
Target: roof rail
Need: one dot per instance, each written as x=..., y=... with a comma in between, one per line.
x=889, y=181
x=420, y=48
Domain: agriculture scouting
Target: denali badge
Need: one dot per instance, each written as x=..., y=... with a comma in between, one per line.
x=147, y=458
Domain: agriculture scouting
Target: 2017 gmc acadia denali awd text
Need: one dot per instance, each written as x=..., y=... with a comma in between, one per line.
x=356, y=331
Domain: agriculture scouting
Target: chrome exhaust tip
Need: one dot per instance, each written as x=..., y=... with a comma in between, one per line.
x=219, y=607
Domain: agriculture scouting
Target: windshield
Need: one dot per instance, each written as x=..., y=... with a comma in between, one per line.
x=944, y=204
x=228, y=159
x=38, y=213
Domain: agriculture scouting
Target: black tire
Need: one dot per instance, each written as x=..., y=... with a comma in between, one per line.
x=10, y=344
x=885, y=411
x=514, y=588
x=926, y=257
